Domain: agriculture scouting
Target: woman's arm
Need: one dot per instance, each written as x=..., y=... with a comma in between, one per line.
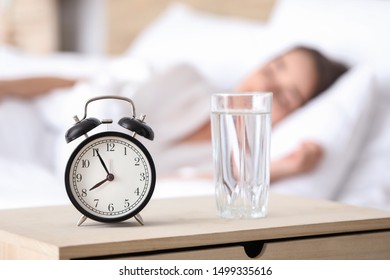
x=32, y=87
x=304, y=159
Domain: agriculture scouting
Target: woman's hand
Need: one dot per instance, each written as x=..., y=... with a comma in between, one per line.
x=32, y=87
x=303, y=159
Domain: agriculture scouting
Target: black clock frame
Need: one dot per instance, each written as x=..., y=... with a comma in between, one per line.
x=85, y=143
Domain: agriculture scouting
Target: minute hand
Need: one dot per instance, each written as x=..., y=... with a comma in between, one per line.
x=102, y=162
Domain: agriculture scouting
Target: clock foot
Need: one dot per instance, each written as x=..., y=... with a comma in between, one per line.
x=139, y=219
x=81, y=220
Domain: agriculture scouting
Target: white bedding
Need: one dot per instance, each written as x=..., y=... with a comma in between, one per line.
x=355, y=109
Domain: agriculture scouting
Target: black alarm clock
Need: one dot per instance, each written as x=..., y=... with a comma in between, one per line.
x=110, y=176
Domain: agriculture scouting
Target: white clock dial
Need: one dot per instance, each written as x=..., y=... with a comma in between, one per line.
x=110, y=177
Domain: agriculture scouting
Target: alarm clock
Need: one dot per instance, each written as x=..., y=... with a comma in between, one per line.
x=110, y=176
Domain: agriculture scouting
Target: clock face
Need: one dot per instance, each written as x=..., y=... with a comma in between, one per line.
x=110, y=177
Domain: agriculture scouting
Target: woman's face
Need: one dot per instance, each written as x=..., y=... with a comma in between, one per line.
x=292, y=77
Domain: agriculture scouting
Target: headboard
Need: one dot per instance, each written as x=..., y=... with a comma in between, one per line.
x=34, y=25
x=29, y=25
x=125, y=19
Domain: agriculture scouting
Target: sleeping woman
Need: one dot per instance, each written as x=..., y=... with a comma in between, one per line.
x=294, y=77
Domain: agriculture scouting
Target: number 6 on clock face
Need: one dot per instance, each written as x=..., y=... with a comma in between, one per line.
x=110, y=177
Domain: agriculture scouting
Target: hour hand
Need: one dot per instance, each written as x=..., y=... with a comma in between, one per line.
x=109, y=177
x=99, y=184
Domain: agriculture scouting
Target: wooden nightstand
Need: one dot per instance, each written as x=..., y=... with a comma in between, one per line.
x=188, y=228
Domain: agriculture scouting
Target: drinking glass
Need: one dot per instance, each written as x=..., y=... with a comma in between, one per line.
x=241, y=132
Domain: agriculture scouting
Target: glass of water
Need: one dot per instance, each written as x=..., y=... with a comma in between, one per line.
x=241, y=132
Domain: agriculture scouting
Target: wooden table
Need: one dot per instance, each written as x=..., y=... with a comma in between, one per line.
x=188, y=228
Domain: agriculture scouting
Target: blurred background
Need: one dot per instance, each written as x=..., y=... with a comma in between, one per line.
x=126, y=42
x=45, y=26
x=92, y=26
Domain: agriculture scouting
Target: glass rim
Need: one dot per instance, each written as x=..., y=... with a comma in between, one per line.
x=255, y=102
x=253, y=93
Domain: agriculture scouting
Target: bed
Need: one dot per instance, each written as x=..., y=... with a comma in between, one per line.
x=213, y=46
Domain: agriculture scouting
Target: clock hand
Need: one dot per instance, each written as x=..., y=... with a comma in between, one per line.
x=102, y=162
x=109, y=177
x=99, y=184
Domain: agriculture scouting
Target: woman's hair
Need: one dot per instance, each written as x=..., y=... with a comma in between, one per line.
x=328, y=70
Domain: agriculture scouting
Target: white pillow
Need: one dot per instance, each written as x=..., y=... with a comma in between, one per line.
x=338, y=119
x=369, y=181
x=222, y=48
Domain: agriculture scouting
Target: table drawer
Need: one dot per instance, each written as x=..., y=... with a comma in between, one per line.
x=356, y=246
